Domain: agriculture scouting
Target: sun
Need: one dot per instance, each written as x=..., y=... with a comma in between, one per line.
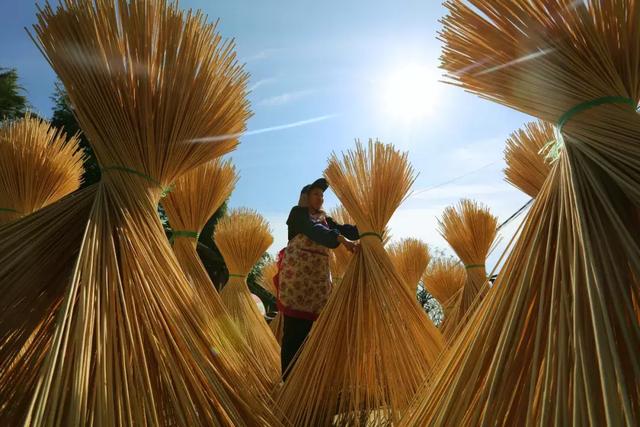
x=410, y=92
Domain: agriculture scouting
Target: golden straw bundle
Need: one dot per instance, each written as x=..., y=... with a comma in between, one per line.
x=148, y=82
x=243, y=236
x=471, y=230
x=526, y=157
x=410, y=258
x=266, y=281
x=266, y=277
x=37, y=257
x=37, y=166
x=555, y=341
x=340, y=256
x=362, y=360
x=444, y=278
x=194, y=198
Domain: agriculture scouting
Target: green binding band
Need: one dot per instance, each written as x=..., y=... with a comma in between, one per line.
x=371, y=233
x=470, y=266
x=9, y=210
x=554, y=150
x=165, y=190
x=184, y=233
x=583, y=106
x=242, y=276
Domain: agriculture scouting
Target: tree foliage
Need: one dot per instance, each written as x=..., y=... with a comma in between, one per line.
x=430, y=305
x=13, y=104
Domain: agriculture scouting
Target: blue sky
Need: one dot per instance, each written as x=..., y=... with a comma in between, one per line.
x=329, y=64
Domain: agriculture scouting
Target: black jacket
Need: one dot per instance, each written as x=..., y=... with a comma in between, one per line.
x=300, y=222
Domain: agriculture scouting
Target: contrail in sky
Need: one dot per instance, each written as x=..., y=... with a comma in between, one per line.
x=264, y=130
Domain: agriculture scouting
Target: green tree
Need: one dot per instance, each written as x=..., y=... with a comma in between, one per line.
x=208, y=250
x=430, y=305
x=12, y=103
x=64, y=118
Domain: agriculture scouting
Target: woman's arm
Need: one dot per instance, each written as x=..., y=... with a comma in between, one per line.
x=347, y=230
x=300, y=222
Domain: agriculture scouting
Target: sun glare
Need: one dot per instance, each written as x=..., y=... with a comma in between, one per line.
x=410, y=92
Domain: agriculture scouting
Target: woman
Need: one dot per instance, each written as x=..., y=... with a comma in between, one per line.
x=303, y=280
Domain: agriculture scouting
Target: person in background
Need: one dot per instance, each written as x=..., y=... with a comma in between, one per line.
x=303, y=281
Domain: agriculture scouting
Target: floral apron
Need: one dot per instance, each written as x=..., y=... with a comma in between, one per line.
x=303, y=281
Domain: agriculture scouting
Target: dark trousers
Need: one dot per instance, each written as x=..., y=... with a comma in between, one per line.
x=294, y=333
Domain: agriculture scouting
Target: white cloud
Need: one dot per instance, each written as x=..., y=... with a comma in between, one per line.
x=285, y=98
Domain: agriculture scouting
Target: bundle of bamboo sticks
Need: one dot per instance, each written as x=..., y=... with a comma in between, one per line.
x=340, y=256
x=243, y=236
x=38, y=166
x=269, y=270
x=37, y=257
x=150, y=84
x=470, y=229
x=444, y=278
x=265, y=280
x=193, y=199
x=410, y=258
x=554, y=341
x=526, y=156
x=362, y=360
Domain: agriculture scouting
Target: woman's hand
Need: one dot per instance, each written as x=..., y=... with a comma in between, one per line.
x=351, y=246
